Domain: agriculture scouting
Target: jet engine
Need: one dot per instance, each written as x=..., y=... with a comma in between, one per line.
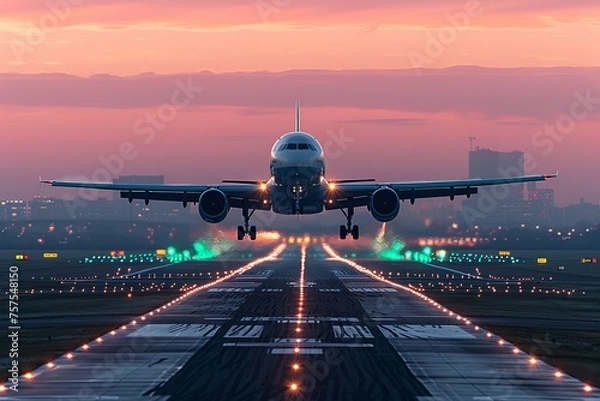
x=384, y=204
x=213, y=205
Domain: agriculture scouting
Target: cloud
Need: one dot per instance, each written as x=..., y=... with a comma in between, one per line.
x=389, y=121
x=188, y=13
x=536, y=93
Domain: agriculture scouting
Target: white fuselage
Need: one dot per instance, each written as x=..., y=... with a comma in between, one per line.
x=297, y=184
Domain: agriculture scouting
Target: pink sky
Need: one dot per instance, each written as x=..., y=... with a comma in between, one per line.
x=70, y=93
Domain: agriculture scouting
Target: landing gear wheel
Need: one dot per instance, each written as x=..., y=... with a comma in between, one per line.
x=343, y=232
x=252, y=233
x=355, y=232
x=241, y=233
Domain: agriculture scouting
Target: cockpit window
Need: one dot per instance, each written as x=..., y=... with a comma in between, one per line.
x=298, y=146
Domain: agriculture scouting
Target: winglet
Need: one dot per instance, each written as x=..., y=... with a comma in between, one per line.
x=546, y=176
x=297, y=119
x=50, y=182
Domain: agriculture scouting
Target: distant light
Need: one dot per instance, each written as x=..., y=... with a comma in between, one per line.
x=50, y=365
x=558, y=374
x=69, y=356
x=587, y=388
x=296, y=366
x=28, y=376
x=532, y=361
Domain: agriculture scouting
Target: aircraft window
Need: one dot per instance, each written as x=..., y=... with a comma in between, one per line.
x=291, y=146
x=282, y=147
x=311, y=146
x=303, y=146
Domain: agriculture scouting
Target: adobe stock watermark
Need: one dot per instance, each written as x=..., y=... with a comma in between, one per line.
x=58, y=11
x=584, y=104
x=438, y=42
x=145, y=130
x=267, y=8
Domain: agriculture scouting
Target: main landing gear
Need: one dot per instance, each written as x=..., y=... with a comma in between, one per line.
x=246, y=229
x=349, y=228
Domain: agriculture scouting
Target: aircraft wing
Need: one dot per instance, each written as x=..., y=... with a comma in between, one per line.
x=343, y=194
x=238, y=194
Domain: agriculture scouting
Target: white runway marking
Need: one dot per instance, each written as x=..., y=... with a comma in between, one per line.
x=176, y=330
x=424, y=332
x=351, y=331
x=227, y=289
x=244, y=331
x=372, y=289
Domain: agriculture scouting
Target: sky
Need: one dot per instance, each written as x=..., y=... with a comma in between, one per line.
x=198, y=90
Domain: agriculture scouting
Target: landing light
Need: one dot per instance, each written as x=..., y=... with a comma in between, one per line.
x=332, y=186
x=262, y=186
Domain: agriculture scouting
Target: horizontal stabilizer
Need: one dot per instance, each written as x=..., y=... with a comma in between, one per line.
x=248, y=182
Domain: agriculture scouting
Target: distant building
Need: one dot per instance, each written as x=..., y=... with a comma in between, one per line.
x=488, y=163
x=542, y=200
x=14, y=209
x=45, y=208
x=504, y=205
x=579, y=213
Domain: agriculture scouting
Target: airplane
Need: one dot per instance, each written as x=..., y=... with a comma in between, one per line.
x=297, y=186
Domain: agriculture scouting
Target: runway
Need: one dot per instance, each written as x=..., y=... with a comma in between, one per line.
x=304, y=325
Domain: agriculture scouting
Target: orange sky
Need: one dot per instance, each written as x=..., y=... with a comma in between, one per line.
x=360, y=70
x=125, y=38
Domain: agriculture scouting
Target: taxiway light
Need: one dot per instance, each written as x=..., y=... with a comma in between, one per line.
x=587, y=388
x=2, y=388
x=50, y=365
x=558, y=374
x=69, y=356
x=28, y=376
x=86, y=347
x=293, y=387
x=515, y=350
x=295, y=366
x=532, y=361
x=297, y=350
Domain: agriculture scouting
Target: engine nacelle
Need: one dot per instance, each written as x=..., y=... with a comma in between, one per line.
x=385, y=204
x=213, y=205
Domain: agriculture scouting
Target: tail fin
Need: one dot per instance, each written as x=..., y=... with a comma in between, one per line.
x=297, y=119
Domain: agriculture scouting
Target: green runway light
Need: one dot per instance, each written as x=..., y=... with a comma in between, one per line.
x=203, y=248
x=394, y=249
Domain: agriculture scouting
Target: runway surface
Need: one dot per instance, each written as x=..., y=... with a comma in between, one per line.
x=302, y=326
